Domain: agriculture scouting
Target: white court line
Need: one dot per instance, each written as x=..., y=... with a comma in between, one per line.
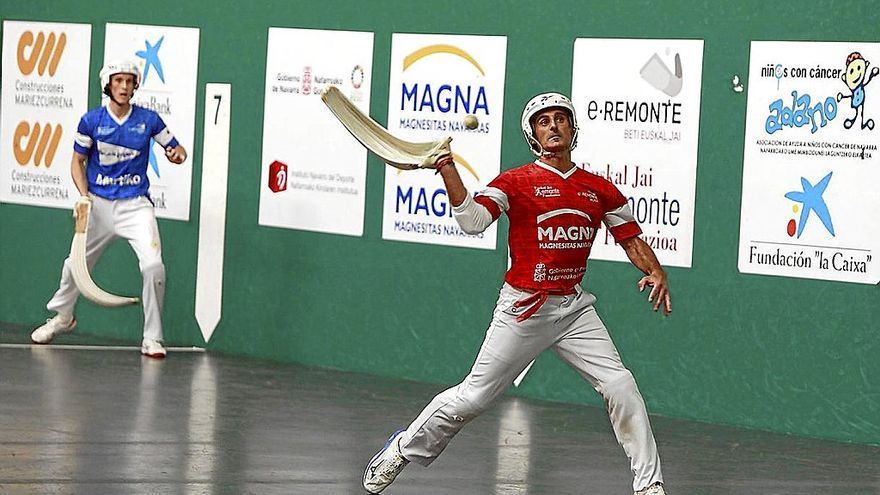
x=95, y=347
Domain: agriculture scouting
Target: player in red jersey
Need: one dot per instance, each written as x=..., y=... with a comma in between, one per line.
x=555, y=209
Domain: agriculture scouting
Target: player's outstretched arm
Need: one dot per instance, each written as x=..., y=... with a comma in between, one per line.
x=470, y=215
x=454, y=186
x=642, y=256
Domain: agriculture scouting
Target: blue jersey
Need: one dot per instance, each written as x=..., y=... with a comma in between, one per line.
x=118, y=150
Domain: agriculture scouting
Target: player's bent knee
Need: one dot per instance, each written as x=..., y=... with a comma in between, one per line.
x=465, y=409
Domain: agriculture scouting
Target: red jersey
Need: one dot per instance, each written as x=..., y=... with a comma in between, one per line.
x=554, y=218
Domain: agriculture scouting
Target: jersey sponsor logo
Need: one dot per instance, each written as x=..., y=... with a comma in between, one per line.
x=139, y=128
x=564, y=235
x=41, y=52
x=544, y=274
x=571, y=233
x=122, y=180
x=111, y=154
x=38, y=143
x=546, y=192
x=562, y=211
x=571, y=273
x=540, y=272
x=103, y=130
x=590, y=195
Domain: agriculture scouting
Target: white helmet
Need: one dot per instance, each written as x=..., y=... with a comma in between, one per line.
x=542, y=102
x=119, y=67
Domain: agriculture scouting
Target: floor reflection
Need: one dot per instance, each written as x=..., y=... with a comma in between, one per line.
x=514, y=449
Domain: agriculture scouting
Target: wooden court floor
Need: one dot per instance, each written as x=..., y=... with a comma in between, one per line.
x=82, y=421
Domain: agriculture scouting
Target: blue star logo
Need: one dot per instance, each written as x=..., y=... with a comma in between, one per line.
x=151, y=59
x=811, y=200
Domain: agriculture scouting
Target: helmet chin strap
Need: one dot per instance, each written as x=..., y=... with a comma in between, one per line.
x=545, y=153
x=541, y=151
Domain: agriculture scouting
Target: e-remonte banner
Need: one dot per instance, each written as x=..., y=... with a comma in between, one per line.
x=169, y=59
x=638, y=108
x=810, y=163
x=45, y=92
x=436, y=80
x=313, y=171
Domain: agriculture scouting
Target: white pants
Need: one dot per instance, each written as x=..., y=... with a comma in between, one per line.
x=134, y=220
x=568, y=324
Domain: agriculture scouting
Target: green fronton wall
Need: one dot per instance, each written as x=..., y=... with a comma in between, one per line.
x=779, y=354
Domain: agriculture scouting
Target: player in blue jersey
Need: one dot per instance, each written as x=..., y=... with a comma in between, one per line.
x=109, y=167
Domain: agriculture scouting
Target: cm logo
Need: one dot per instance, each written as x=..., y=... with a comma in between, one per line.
x=41, y=52
x=38, y=142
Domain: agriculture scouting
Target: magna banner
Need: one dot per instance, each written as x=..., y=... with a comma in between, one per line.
x=437, y=80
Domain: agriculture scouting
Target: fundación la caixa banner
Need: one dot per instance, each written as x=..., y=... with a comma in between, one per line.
x=313, y=171
x=810, y=165
x=436, y=80
x=169, y=60
x=638, y=109
x=45, y=92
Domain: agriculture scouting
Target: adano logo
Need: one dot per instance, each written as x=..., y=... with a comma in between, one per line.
x=40, y=52
x=38, y=143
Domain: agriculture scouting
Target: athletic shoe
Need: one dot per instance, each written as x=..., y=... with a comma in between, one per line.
x=55, y=326
x=385, y=465
x=152, y=348
x=655, y=489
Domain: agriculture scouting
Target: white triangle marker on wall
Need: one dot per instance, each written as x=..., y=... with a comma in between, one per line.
x=212, y=211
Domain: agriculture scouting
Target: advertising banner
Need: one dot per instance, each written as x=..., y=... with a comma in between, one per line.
x=436, y=81
x=45, y=92
x=638, y=109
x=810, y=163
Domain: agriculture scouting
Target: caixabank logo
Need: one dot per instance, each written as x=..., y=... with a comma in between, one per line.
x=36, y=143
x=40, y=52
x=809, y=199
